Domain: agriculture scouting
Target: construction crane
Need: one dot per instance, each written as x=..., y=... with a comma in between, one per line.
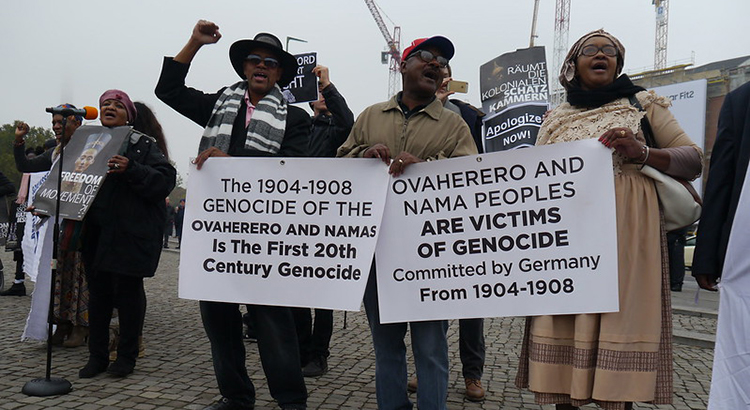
x=392, y=56
x=562, y=27
x=533, y=24
x=660, y=41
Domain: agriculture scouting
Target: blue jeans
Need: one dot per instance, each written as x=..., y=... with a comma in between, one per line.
x=430, y=348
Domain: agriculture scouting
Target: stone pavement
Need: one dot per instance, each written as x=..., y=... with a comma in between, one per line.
x=176, y=372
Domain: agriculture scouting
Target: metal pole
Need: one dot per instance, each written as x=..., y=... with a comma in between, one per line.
x=533, y=23
x=293, y=39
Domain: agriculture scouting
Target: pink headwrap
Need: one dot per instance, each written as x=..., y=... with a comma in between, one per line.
x=568, y=70
x=123, y=97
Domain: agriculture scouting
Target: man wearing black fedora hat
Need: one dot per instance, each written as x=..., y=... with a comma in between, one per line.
x=250, y=118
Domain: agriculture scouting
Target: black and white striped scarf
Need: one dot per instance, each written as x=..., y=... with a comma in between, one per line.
x=266, y=129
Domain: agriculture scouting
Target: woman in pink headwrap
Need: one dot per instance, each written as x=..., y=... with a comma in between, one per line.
x=614, y=359
x=121, y=238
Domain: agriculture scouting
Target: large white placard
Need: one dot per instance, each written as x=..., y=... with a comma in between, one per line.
x=281, y=231
x=689, y=109
x=523, y=232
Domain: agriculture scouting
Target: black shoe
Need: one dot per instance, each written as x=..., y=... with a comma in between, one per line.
x=249, y=336
x=91, y=369
x=120, y=369
x=18, y=289
x=676, y=288
x=317, y=367
x=226, y=404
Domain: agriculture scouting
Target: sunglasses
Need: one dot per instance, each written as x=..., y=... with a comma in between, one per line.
x=269, y=62
x=427, y=57
x=592, y=50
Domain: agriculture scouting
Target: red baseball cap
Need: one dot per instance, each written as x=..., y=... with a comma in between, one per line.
x=441, y=43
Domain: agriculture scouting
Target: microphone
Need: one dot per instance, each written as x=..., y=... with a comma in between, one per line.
x=89, y=113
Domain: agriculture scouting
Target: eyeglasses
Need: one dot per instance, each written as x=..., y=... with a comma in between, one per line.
x=427, y=57
x=591, y=50
x=269, y=62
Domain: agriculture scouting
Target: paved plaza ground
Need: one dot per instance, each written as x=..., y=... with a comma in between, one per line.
x=176, y=372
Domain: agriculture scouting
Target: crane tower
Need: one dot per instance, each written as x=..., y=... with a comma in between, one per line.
x=392, y=57
x=562, y=27
x=660, y=44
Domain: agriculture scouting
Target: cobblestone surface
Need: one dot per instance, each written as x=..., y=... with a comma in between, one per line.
x=697, y=324
x=176, y=372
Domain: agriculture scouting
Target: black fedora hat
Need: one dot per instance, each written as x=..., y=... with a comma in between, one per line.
x=241, y=48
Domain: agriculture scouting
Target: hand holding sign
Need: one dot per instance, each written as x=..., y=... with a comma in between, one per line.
x=379, y=151
x=324, y=79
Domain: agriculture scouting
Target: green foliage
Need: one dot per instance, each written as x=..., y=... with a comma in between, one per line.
x=34, y=138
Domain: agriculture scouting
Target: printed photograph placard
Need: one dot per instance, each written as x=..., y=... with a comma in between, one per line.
x=515, y=80
x=84, y=168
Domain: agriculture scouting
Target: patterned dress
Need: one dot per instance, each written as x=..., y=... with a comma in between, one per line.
x=71, y=287
x=613, y=358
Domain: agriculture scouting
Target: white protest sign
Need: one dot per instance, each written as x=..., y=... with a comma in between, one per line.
x=281, y=231
x=522, y=232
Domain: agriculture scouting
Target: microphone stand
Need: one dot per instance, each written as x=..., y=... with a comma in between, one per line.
x=52, y=386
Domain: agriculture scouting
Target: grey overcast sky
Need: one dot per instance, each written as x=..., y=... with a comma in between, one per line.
x=56, y=51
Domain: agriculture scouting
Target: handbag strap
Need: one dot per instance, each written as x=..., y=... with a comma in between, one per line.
x=648, y=133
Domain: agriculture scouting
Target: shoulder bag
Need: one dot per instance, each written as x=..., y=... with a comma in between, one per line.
x=680, y=203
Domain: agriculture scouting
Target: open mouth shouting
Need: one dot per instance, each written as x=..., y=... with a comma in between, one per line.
x=260, y=76
x=109, y=114
x=433, y=74
x=600, y=67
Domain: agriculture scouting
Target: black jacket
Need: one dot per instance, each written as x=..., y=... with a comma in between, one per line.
x=729, y=161
x=198, y=106
x=123, y=230
x=39, y=163
x=6, y=187
x=328, y=132
x=473, y=118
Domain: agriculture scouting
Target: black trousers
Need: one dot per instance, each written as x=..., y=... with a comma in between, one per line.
x=676, y=248
x=277, y=346
x=314, y=339
x=471, y=347
x=107, y=291
x=18, y=257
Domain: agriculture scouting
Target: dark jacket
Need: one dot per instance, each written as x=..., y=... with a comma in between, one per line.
x=726, y=176
x=169, y=221
x=473, y=118
x=328, y=132
x=198, y=106
x=179, y=216
x=123, y=231
x=39, y=163
x=6, y=187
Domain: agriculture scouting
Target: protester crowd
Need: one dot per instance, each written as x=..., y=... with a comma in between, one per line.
x=611, y=359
